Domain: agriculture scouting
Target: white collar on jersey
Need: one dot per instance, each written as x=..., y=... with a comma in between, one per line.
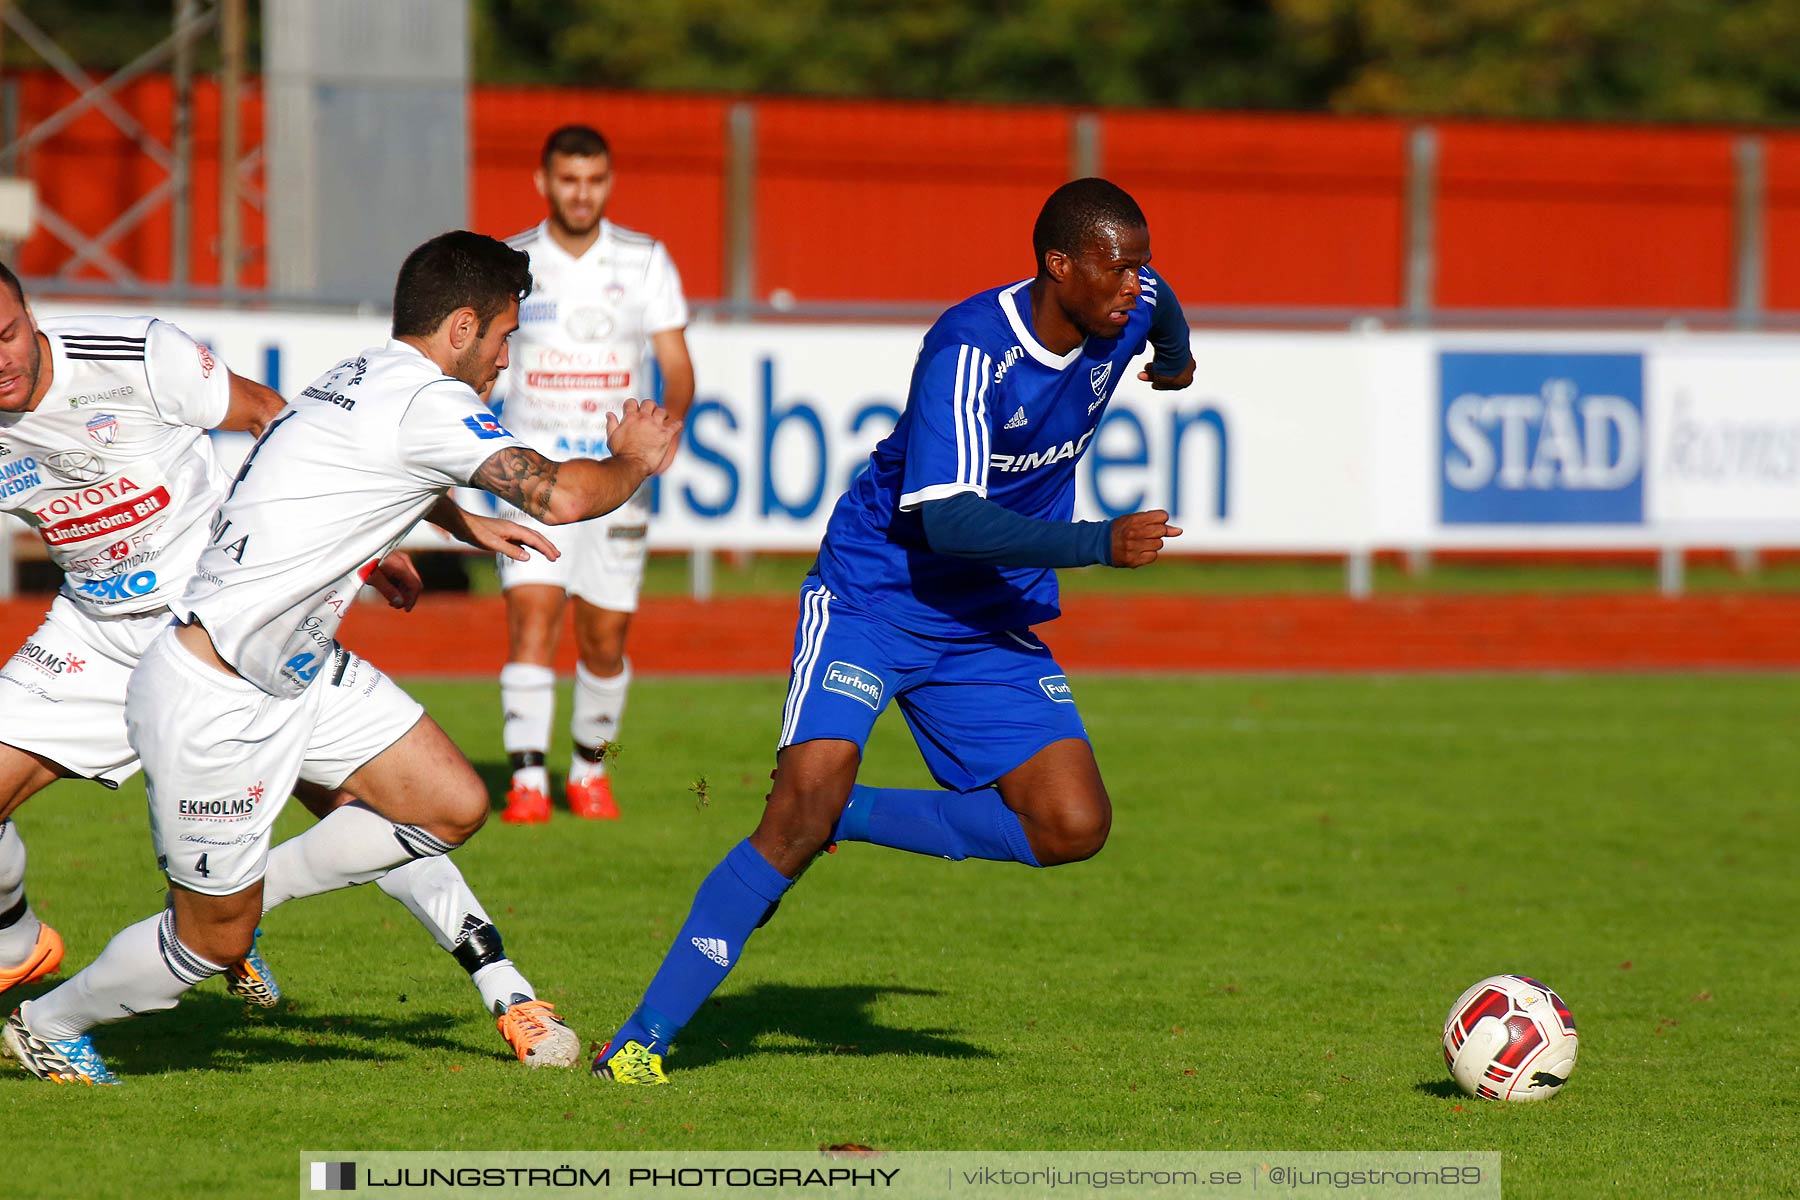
x=601, y=237
x=1027, y=339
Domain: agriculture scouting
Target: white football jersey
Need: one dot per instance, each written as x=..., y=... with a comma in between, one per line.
x=584, y=334
x=332, y=485
x=113, y=468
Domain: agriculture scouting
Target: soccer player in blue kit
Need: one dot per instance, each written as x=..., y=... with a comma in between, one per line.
x=935, y=565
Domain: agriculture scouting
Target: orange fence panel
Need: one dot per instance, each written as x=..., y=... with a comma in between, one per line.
x=1781, y=236
x=868, y=201
x=1268, y=210
x=1547, y=216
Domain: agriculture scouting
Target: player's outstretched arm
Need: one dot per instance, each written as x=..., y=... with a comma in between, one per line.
x=490, y=533
x=967, y=526
x=252, y=406
x=558, y=493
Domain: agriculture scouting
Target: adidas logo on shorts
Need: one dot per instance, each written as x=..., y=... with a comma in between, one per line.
x=715, y=949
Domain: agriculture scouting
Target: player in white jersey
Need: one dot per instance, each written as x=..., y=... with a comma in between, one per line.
x=601, y=294
x=103, y=451
x=250, y=692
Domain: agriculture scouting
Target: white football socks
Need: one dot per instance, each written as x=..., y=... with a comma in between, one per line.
x=143, y=969
x=352, y=845
x=435, y=893
x=599, y=707
x=18, y=935
x=501, y=985
x=528, y=704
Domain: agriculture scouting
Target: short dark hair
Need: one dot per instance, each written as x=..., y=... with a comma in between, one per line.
x=12, y=281
x=458, y=270
x=1076, y=210
x=577, y=141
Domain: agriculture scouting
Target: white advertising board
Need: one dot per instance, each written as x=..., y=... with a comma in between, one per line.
x=1724, y=437
x=1287, y=442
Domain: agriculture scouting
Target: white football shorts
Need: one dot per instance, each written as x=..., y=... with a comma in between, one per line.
x=62, y=694
x=602, y=560
x=221, y=755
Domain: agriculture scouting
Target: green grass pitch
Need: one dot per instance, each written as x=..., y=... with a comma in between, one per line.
x=1303, y=874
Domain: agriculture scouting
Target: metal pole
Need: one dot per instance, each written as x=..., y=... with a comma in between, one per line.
x=740, y=206
x=180, y=218
x=700, y=573
x=92, y=94
x=1747, y=242
x=231, y=64
x=9, y=123
x=1669, y=570
x=1421, y=231
x=1359, y=573
x=1084, y=145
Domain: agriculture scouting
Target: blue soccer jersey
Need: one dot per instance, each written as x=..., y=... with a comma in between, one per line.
x=989, y=411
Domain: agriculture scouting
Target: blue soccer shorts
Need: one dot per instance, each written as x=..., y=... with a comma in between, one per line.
x=977, y=706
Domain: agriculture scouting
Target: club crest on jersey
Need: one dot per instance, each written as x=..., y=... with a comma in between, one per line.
x=1098, y=377
x=103, y=428
x=486, y=426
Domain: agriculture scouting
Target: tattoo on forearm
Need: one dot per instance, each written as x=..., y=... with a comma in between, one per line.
x=521, y=477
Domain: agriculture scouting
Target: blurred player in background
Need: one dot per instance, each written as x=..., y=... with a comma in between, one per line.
x=600, y=294
x=248, y=691
x=935, y=565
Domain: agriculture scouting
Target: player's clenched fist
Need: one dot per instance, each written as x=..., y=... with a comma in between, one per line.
x=1137, y=538
x=645, y=432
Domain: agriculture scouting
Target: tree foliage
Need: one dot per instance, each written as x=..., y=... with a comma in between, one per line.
x=1639, y=59
x=1713, y=60
x=1645, y=59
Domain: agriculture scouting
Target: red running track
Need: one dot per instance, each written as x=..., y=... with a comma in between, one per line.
x=465, y=636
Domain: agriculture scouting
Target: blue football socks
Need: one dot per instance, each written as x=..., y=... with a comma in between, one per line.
x=953, y=825
x=731, y=903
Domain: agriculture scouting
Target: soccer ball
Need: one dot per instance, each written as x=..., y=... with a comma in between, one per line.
x=1510, y=1038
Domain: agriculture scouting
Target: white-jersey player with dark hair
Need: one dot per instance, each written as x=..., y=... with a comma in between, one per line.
x=104, y=454
x=601, y=296
x=248, y=692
